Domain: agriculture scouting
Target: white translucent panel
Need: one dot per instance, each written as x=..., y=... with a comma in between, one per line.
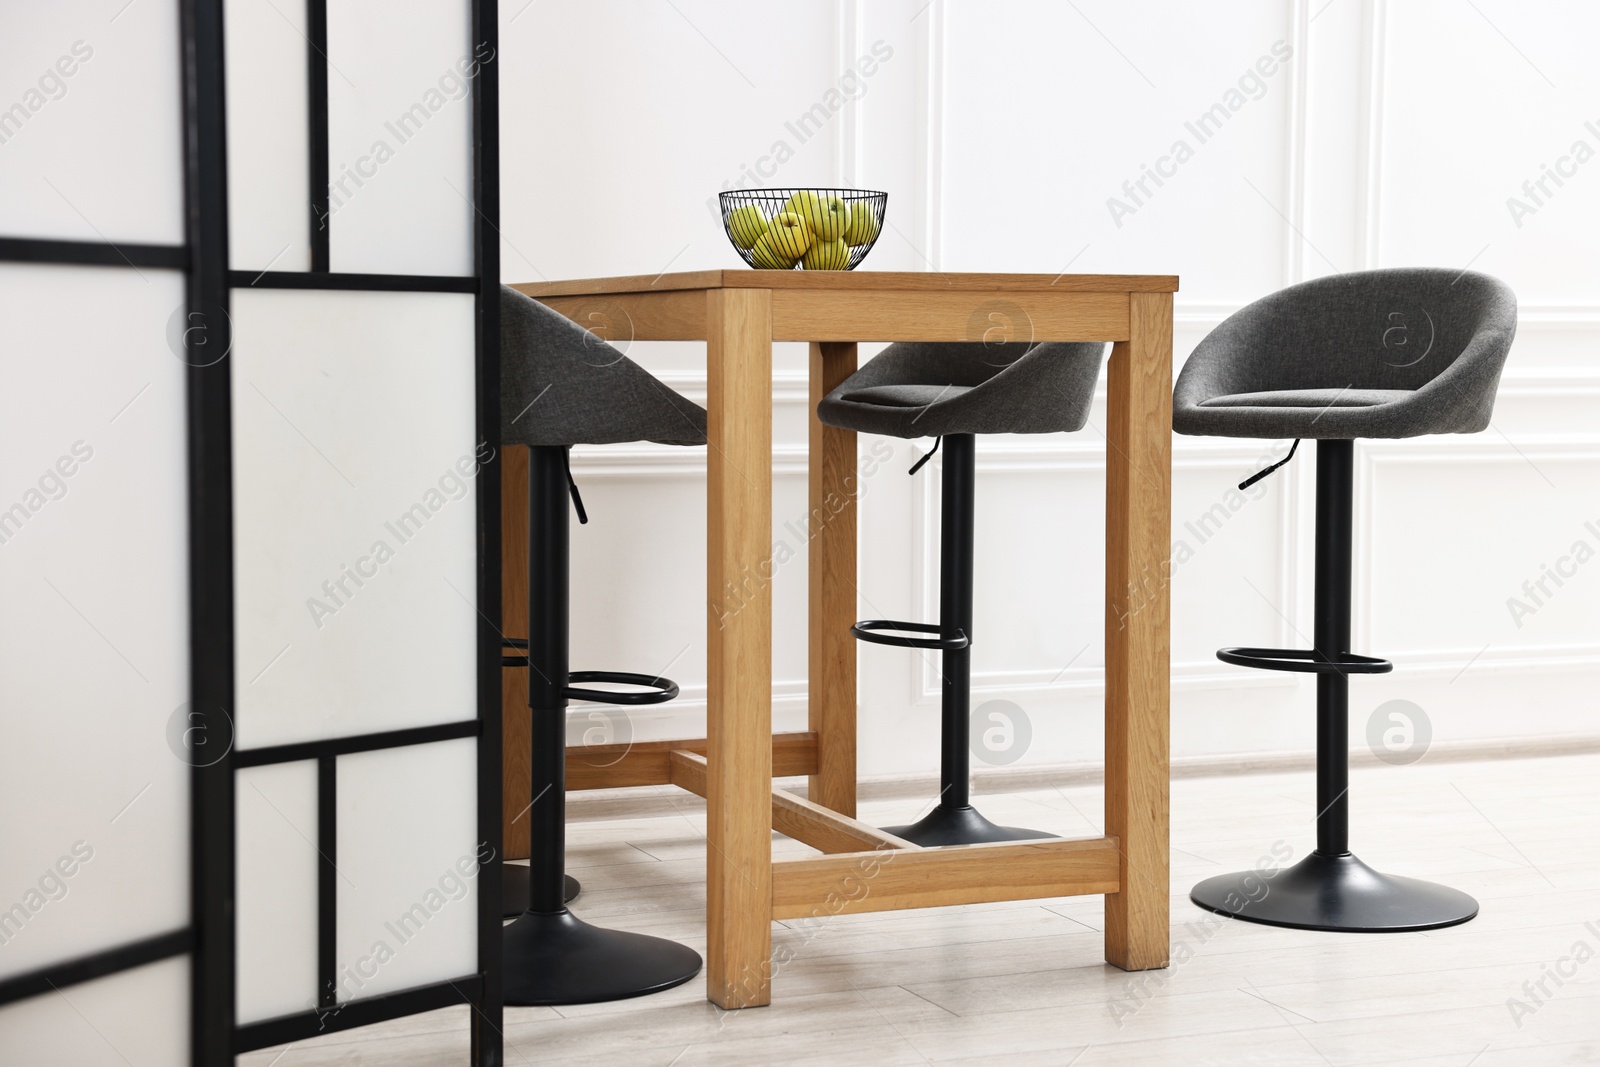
x=354, y=517
x=91, y=134
x=408, y=866
x=269, y=203
x=94, y=631
x=276, y=896
x=138, y=1017
x=400, y=136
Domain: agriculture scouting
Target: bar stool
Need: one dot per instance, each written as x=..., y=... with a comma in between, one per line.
x=561, y=386
x=953, y=391
x=1386, y=354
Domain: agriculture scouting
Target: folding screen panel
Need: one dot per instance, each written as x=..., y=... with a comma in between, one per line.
x=400, y=136
x=363, y=296
x=95, y=930
x=258, y=754
x=269, y=188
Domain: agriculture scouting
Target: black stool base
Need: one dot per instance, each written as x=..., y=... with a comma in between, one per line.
x=514, y=890
x=1340, y=893
x=960, y=826
x=560, y=959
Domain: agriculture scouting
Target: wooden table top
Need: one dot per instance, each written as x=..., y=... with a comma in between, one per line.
x=855, y=281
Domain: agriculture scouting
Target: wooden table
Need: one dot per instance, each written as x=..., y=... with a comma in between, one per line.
x=739, y=314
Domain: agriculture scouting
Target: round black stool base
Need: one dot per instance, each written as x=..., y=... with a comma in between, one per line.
x=514, y=890
x=560, y=959
x=959, y=826
x=1328, y=892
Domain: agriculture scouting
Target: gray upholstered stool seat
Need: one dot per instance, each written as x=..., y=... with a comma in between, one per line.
x=1307, y=398
x=1381, y=353
x=954, y=391
x=904, y=396
x=560, y=385
x=930, y=389
x=1385, y=353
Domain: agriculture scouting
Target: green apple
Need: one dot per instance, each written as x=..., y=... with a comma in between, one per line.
x=863, y=227
x=827, y=255
x=826, y=215
x=746, y=225
x=788, y=235
x=765, y=258
x=799, y=202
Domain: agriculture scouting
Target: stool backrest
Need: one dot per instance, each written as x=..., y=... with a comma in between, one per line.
x=1395, y=329
x=562, y=385
x=1042, y=388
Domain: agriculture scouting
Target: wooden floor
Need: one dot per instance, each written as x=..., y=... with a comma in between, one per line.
x=1024, y=983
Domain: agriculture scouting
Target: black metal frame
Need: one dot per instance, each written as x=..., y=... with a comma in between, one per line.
x=379, y=283
x=210, y=937
x=953, y=820
x=210, y=419
x=317, y=128
x=1331, y=889
x=96, y=965
x=92, y=254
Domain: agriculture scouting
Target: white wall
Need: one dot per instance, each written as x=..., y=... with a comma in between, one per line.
x=1393, y=135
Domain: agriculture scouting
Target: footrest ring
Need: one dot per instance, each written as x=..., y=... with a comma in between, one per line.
x=1304, y=661
x=889, y=632
x=660, y=691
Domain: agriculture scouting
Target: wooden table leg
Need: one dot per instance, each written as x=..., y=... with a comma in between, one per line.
x=516, y=753
x=1138, y=551
x=739, y=648
x=831, y=526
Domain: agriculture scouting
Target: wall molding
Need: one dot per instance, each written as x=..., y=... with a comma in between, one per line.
x=1461, y=451
x=849, y=43
x=931, y=125
x=1375, y=15
x=1298, y=119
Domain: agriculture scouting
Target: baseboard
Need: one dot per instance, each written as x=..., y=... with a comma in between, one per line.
x=651, y=801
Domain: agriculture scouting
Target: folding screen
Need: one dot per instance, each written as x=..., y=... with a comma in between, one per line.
x=95, y=920
x=248, y=661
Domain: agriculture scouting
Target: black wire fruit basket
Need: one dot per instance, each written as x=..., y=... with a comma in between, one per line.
x=813, y=229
